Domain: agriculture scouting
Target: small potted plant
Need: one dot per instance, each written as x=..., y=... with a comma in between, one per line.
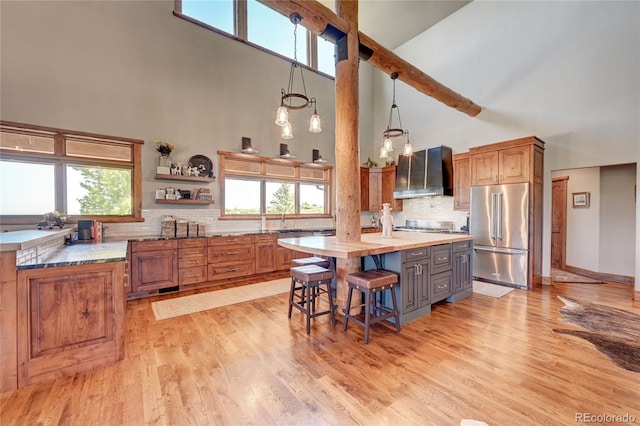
x=165, y=148
x=51, y=219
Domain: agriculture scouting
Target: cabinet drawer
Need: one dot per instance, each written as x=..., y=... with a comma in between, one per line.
x=441, y=286
x=461, y=245
x=441, y=258
x=261, y=238
x=230, y=253
x=241, y=239
x=415, y=254
x=190, y=262
x=192, y=275
x=192, y=243
x=222, y=270
x=192, y=252
x=137, y=246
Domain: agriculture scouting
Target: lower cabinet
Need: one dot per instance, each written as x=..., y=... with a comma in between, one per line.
x=230, y=257
x=192, y=262
x=70, y=319
x=462, y=270
x=265, y=251
x=154, y=265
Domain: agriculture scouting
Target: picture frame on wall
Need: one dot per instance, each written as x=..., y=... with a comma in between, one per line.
x=581, y=199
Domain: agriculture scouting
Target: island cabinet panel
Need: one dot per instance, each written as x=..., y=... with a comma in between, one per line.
x=462, y=270
x=441, y=286
x=70, y=319
x=266, y=248
x=230, y=257
x=153, y=270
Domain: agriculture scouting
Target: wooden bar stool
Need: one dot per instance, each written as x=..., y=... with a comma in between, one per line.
x=306, y=287
x=369, y=283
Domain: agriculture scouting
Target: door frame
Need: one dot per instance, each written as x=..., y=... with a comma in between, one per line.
x=563, y=221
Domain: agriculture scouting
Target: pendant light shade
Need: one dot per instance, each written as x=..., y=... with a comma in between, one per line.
x=290, y=100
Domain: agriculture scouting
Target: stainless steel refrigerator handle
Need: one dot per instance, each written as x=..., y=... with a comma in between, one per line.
x=499, y=221
x=502, y=251
x=492, y=232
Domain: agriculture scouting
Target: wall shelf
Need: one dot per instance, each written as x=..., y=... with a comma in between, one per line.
x=185, y=178
x=183, y=201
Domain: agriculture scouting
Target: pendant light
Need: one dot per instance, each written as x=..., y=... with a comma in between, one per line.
x=289, y=100
x=393, y=132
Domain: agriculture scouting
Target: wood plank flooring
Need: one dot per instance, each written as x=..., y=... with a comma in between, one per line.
x=495, y=360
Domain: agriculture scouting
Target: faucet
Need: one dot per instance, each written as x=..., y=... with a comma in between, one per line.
x=282, y=224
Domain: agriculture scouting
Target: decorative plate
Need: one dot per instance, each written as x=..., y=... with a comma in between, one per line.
x=203, y=163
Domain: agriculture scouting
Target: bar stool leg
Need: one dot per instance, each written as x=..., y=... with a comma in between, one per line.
x=332, y=308
x=367, y=315
x=307, y=306
x=346, y=314
x=291, y=294
x=395, y=308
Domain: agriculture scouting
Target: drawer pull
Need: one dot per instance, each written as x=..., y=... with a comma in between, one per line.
x=233, y=240
x=439, y=259
x=191, y=252
x=232, y=269
x=442, y=286
x=231, y=253
x=193, y=275
x=417, y=253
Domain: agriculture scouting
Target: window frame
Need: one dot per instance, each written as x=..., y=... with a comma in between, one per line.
x=59, y=159
x=266, y=169
x=241, y=35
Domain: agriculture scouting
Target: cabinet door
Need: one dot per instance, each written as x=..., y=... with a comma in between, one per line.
x=514, y=165
x=388, y=186
x=461, y=182
x=423, y=282
x=152, y=270
x=461, y=271
x=370, y=188
x=485, y=168
x=284, y=257
x=265, y=257
x=408, y=287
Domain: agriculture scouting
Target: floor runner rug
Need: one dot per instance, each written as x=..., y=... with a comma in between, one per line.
x=491, y=290
x=186, y=305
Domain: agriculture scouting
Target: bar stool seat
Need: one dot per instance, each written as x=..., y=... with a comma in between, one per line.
x=313, y=260
x=369, y=283
x=306, y=288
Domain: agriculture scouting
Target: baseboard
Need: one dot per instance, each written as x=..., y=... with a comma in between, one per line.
x=636, y=295
x=622, y=279
x=545, y=280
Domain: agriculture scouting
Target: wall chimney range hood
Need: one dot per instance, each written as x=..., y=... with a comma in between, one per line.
x=425, y=173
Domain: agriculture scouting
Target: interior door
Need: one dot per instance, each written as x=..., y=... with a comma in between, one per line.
x=559, y=222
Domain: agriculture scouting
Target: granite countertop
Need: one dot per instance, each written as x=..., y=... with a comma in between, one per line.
x=284, y=232
x=80, y=254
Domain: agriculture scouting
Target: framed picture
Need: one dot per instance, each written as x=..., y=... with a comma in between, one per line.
x=580, y=199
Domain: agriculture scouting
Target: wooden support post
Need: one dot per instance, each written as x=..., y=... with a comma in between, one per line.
x=347, y=148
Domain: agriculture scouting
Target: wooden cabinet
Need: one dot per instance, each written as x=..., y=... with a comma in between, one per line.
x=230, y=257
x=504, y=162
x=441, y=272
x=376, y=188
x=461, y=181
x=70, y=319
x=154, y=265
x=462, y=270
x=266, y=247
x=192, y=261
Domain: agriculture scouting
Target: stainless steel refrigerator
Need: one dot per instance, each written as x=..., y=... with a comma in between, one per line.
x=499, y=224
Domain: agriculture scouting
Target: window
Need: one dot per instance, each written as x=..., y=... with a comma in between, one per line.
x=254, y=185
x=85, y=175
x=252, y=21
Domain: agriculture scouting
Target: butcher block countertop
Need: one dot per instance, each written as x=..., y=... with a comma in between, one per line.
x=370, y=244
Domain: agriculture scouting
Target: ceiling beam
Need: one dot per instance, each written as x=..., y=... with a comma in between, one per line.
x=321, y=21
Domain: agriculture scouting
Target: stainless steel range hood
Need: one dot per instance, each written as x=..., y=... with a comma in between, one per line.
x=425, y=173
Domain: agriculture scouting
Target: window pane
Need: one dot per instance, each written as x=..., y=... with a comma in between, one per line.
x=326, y=57
x=27, y=188
x=26, y=142
x=241, y=196
x=103, y=151
x=280, y=197
x=98, y=191
x=271, y=30
x=218, y=14
x=312, y=198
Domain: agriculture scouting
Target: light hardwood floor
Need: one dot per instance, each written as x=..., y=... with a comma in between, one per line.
x=495, y=360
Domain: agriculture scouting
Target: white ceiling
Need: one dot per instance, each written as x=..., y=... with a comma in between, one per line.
x=393, y=22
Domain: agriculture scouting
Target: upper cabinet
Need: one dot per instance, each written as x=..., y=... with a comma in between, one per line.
x=376, y=188
x=505, y=162
x=461, y=181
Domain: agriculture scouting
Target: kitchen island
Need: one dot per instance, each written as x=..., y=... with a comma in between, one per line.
x=431, y=267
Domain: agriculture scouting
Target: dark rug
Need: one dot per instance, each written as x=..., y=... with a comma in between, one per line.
x=560, y=276
x=614, y=332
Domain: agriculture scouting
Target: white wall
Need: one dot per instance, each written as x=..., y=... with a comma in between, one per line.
x=566, y=72
x=133, y=69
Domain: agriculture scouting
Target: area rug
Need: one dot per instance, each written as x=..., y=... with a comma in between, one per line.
x=614, y=332
x=186, y=305
x=560, y=276
x=491, y=290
